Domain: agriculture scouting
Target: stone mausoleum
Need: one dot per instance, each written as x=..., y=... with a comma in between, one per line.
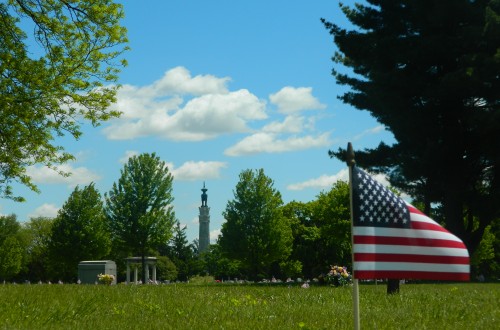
x=88, y=270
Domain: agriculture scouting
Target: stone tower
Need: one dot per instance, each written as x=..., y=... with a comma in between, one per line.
x=204, y=239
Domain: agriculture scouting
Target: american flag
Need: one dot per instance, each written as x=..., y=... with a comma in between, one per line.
x=392, y=239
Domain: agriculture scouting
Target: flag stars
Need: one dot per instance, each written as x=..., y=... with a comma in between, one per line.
x=376, y=205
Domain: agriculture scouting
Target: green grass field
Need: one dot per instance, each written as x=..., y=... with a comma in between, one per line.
x=222, y=306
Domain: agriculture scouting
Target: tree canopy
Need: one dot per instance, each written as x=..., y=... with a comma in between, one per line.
x=37, y=233
x=331, y=213
x=181, y=252
x=256, y=233
x=53, y=79
x=429, y=72
x=79, y=232
x=11, y=257
x=139, y=207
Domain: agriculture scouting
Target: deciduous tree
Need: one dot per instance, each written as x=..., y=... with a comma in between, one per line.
x=139, y=207
x=53, y=79
x=79, y=232
x=37, y=233
x=255, y=232
x=306, y=238
x=8, y=226
x=331, y=212
x=11, y=257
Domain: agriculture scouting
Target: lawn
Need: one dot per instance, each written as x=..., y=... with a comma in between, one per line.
x=223, y=306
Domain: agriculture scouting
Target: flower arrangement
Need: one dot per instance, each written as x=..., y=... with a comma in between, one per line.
x=105, y=279
x=338, y=276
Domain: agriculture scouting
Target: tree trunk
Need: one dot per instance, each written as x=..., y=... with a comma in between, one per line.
x=392, y=286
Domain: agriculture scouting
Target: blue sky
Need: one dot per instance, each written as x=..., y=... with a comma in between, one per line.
x=214, y=88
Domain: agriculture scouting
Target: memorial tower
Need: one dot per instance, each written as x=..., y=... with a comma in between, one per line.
x=204, y=239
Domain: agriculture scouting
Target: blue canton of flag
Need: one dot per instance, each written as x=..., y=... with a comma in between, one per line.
x=375, y=205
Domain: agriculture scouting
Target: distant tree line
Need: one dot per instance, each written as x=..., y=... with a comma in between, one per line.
x=261, y=238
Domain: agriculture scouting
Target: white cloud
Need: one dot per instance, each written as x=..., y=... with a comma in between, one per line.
x=214, y=235
x=371, y=131
x=291, y=124
x=326, y=181
x=128, y=154
x=45, y=210
x=192, y=170
x=322, y=182
x=157, y=109
x=179, y=81
x=211, y=115
x=270, y=143
x=291, y=100
x=136, y=102
x=79, y=175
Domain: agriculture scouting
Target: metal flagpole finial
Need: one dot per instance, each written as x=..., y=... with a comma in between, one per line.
x=350, y=155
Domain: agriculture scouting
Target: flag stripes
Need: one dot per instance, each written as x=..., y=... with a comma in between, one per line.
x=420, y=258
x=421, y=275
x=410, y=241
x=416, y=248
x=402, y=249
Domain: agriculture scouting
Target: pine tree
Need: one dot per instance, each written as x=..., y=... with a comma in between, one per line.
x=428, y=71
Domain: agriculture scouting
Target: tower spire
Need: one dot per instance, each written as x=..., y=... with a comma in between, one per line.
x=204, y=196
x=204, y=238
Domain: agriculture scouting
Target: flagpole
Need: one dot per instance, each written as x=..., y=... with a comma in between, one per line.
x=355, y=288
